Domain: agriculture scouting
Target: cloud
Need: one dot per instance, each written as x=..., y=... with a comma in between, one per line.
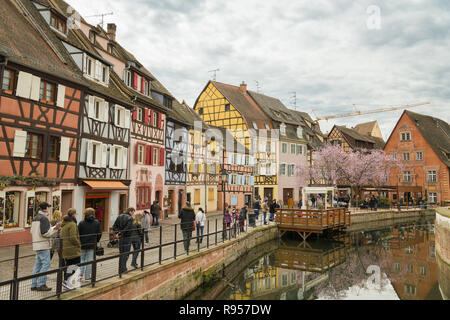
x=321, y=50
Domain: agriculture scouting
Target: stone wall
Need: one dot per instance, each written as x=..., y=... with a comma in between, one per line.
x=176, y=279
x=372, y=216
x=442, y=236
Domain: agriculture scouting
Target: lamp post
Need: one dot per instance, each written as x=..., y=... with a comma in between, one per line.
x=224, y=175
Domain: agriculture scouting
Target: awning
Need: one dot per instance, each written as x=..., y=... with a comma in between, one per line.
x=105, y=185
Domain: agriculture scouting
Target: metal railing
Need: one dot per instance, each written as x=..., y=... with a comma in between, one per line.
x=164, y=244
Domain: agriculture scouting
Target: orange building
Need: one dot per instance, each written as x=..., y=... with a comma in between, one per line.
x=422, y=143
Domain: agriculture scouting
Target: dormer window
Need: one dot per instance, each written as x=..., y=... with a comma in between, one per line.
x=267, y=127
x=299, y=132
x=127, y=77
x=283, y=129
x=96, y=70
x=92, y=36
x=58, y=23
x=109, y=48
x=255, y=126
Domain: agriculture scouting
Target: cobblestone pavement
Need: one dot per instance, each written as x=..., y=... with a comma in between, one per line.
x=109, y=268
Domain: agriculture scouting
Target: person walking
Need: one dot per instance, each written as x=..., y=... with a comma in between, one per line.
x=242, y=218
x=313, y=201
x=71, y=245
x=56, y=237
x=228, y=217
x=41, y=233
x=265, y=208
x=187, y=216
x=122, y=229
x=256, y=208
x=136, y=238
x=200, y=219
x=156, y=211
x=272, y=208
x=146, y=223
x=90, y=230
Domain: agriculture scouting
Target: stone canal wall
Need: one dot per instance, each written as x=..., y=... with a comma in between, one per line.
x=372, y=216
x=442, y=232
x=176, y=279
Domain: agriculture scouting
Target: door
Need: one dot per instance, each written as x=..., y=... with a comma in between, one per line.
x=171, y=202
x=180, y=200
x=66, y=201
x=247, y=200
x=101, y=212
x=288, y=197
x=122, y=202
x=268, y=193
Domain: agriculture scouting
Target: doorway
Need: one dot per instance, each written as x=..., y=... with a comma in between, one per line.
x=122, y=203
x=247, y=200
x=101, y=210
x=66, y=201
x=268, y=193
x=180, y=200
x=171, y=202
x=288, y=197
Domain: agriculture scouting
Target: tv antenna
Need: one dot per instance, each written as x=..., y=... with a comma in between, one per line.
x=257, y=86
x=215, y=73
x=101, y=15
x=294, y=99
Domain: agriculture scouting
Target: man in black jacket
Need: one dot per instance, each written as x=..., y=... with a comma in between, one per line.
x=187, y=216
x=122, y=228
x=90, y=231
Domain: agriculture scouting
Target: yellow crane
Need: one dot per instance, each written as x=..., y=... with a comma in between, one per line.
x=358, y=113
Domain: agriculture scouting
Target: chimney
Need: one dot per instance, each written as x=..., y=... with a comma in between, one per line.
x=112, y=31
x=243, y=86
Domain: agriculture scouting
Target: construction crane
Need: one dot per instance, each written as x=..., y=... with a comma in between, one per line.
x=358, y=113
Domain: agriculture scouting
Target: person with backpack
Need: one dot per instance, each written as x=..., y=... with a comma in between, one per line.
x=187, y=216
x=256, y=208
x=90, y=230
x=264, y=209
x=122, y=228
x=146, y=223
x=242, y=218
x=200, y=219
x=136, y=238
x=71, y=245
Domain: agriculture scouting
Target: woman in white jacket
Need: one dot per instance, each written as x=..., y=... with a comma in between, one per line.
x=200, y=219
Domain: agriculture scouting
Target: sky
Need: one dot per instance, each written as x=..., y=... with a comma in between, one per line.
x=332, y=57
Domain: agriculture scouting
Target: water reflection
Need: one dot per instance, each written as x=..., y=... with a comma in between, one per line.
x=398, y=262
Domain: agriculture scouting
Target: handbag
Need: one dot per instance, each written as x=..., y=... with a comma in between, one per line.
x=99, y=251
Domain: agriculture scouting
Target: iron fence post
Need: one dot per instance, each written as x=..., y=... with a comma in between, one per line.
x=94, y=267
x=59, y=277
x=14, y=293
x=175, y=243
x=207, y=232
x=216, y=232
x=142, y=250
x=160, y=244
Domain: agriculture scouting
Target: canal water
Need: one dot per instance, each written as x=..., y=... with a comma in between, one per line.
x=396, y=262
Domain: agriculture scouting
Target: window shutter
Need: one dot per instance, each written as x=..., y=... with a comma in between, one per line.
x=122, y=119
x=90, y=107
x=251, y=161
x=64, y=149
x=230, y=178
x=252, y=180
x=127, y=120
x=136, y=153
x=61, y=96
x=161, y=157
x=159, y=120
x=273, y=147
x=135, y=82
x=116, y=115
x=143, y=85
x=262, y=170
x=191, y=166
x=152, y=114
x=20, y=142
x=146, y=112
x=24, y=85
x=238, y=159
x=124, y=158
x=104, y=155
x=134, y=114
x=104, y=111
x=230, y=158
x=273, y=169
x=35, y=88
x=218, y=168
x=139, y=83
x=90, y=149
x=98, y=70
x=151, y=155
x=111, y=157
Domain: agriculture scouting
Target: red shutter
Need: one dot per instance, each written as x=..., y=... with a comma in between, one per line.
x=159, y=120
x=147, y=154
x=151, y=156
x=161, y=157
x=134, y=114
x=145, y=115
x=135, y=82
x=143, y=85
x=137, y=153
x=152, y=114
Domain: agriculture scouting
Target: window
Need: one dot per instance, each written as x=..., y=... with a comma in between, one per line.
x=432, y=250
x=292, y=148
x=299, y=149
x=409, y=250
x=247, y=181
x=53, y=148
x=432, y=197
x=211, y=194
x=406, y=156
x=394, y=156
x=293, y=277
x=234, y=179
x=419, y=156
x=57, y=23
x=299, y=132
x=397, y=266
x=423, y=271
x=104, y=74
x=141, y=153
x=290, y=170
x=8, y=81
x=268, y=169
x=284, y=280
x=9, y=217
x=283, y=129
x=47, y=92
x=406, y=176
x=282, y=169
x=127, y=77
x=200, y=111
x=197, y=196
x=284, y=147
x=227, y=107
x=155, y=156
x=155, y=119
x=92, y=36
x=95, y=150
x=405, y=136
x=409, y=289
x=33, y=147
x=432, y=176
x=139, y=114
x=267, y=127
x=212, y=168
x=410, y=268
x=254, y=125
x=90, y=67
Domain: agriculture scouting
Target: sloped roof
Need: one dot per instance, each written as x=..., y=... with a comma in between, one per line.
x=274, y=108
x=435, y=131
x=377, y=142
x=21, y=43
x=365, y=128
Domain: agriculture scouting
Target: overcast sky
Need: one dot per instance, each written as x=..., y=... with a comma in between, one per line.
x=332, y=54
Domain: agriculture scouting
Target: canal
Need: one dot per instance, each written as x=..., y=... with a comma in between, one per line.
x=394, y=262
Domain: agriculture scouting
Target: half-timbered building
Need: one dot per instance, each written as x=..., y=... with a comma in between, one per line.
x=105, y=117
x=231, y=107
x=350, y=139
x=41, y=101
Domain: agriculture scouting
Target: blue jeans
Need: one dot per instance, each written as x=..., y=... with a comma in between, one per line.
x=124, y=247
x=200, y=230
x=42, y=264
x=256, y=211
x=146, y=236
x=265, y=217
x=271, y=217
x=136, y=246
x=86, y=256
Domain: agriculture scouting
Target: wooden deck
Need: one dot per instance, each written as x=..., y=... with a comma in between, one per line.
x=307, y=222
